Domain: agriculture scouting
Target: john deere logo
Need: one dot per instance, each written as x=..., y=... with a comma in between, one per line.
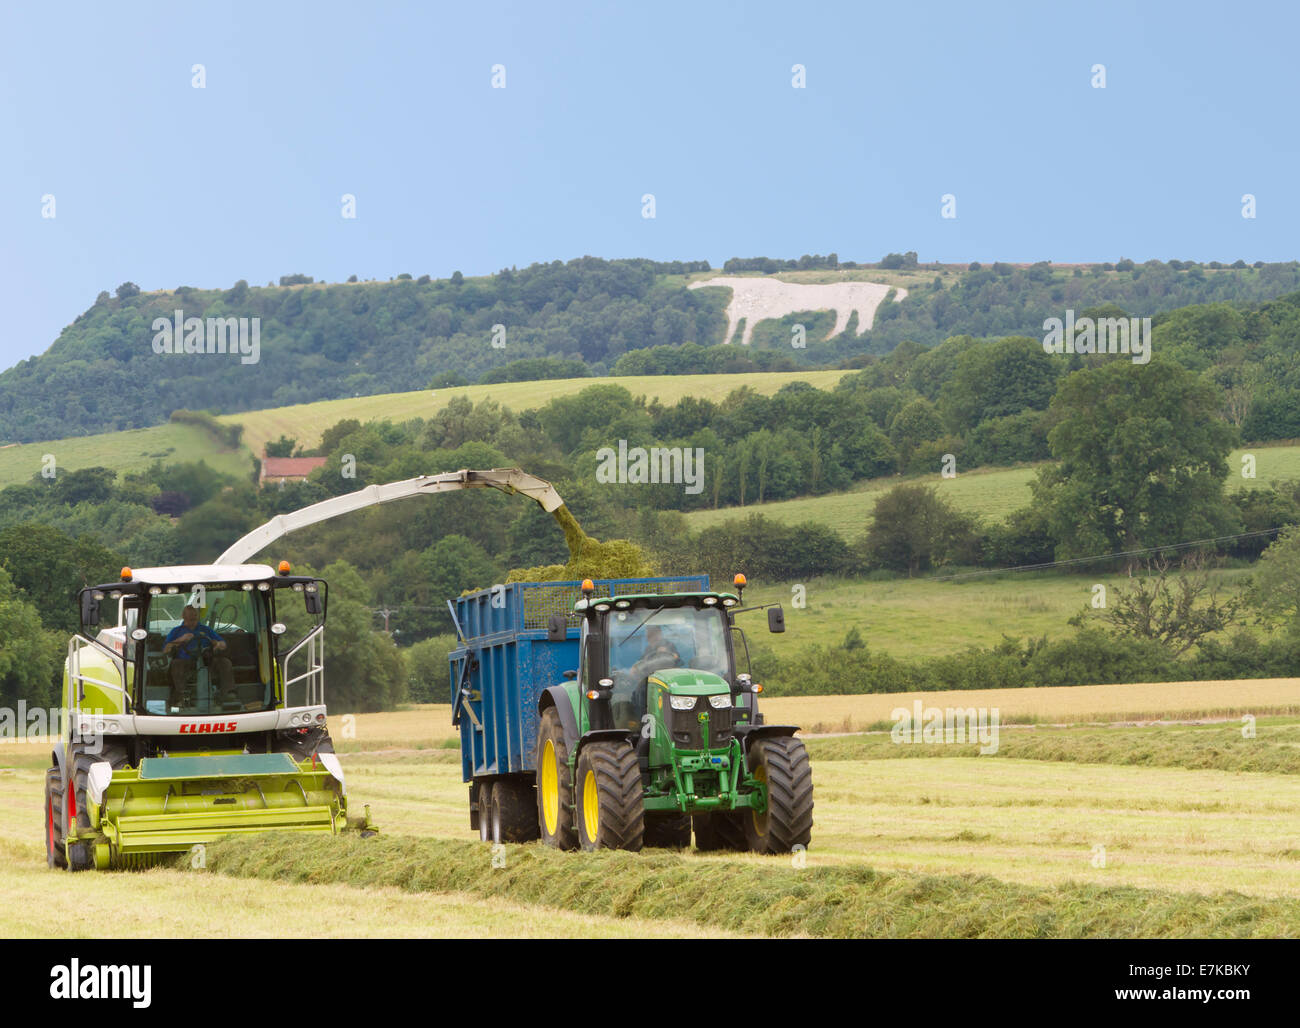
x=701, y=718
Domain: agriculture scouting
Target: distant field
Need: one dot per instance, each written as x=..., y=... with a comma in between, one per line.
x=991, y=493
x=921, y=617
x=305, y=422
x=126, y=451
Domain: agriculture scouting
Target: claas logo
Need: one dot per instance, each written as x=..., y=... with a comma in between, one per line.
x=196, y=728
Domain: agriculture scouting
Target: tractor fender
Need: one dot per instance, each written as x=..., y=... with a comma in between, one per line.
x=748, y=733
x=57, y=760
x=558, y=697
x=603, y=735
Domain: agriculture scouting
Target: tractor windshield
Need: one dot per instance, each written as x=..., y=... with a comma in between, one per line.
x=207, y=652
x=644, y=640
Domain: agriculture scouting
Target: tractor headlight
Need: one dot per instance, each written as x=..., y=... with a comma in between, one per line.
x=682, y=702
x=719, y=702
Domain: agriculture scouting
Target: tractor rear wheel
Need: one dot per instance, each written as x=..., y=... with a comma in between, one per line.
x=512, y=811
x=668, y=831
x=781, y=763
x=721, y=831
x=81, y=855
x=485, y=812
x=611, y=812
x=55, y=856
x=554, y=784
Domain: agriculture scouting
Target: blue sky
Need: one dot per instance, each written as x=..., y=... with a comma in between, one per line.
x=166, y=185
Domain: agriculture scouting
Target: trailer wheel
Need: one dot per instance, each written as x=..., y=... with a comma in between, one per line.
x=485, y=812
x=782, y=764
x=55, y=857
x=554, y=784
x=668, y=831
x=81, y=855
x=721, y=831
x=611, y=812
x=513, y=811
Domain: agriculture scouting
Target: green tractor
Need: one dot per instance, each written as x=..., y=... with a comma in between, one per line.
x=189, y=718
x=659, y=733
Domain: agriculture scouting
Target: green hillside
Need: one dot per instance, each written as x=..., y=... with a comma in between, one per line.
x=991, y=493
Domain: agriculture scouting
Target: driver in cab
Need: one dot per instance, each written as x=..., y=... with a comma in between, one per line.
x=187, y=640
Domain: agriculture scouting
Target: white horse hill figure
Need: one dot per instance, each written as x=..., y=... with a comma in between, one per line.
x=757, y=299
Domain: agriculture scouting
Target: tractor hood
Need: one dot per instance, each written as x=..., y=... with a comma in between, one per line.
x=685, y=681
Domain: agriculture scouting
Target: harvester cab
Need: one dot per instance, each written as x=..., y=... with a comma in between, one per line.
x=195, y=701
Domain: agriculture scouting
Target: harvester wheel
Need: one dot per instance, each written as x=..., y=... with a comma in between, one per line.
x=554, y=784
x=81, y=855
x=720, y=831
x=611, y=812
x=55, y=857
x=668, y=831
x=513, y=811
x=782, y=764
x=485, y=812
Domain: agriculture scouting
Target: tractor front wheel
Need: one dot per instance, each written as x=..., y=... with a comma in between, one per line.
x=554, y=784
x=781, y=764
x=81, y=855
x=611, y=811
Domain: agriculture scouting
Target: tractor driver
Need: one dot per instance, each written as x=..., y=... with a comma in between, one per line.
x=659, y=654
x=187, y=640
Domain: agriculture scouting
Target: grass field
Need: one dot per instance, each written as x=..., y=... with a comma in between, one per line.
x=124, y=452
x=1074, y=838
x=990, y=493
x=305, y=422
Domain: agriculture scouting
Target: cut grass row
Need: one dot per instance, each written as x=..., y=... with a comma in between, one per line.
x=765, y=896
x=1274, y=748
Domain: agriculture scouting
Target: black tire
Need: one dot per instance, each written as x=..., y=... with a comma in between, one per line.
x=552, y=759
x=783, y=763
x=513, y=811
x=81, y=855
x=611, y=812
x=668, y=831
x=721, y=831
x=485, y=791
x=55, y=857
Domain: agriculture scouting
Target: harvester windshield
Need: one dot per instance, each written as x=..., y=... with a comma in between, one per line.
x=207, y=652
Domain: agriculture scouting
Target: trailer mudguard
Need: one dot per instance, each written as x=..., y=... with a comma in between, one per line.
x=557, y=696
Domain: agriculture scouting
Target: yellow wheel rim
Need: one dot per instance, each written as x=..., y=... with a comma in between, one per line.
x=760, y=820
x=591, y=806
x=550, y=789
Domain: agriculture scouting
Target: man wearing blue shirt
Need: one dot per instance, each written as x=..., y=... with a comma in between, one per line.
x=187, y=640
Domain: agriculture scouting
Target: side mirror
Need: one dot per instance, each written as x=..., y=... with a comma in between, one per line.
x=89, y=609
x=557, y=628
x=312, y=602
x=775, y=619
x=279, y=628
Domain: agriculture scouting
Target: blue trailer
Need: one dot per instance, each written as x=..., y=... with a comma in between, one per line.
x=622, y=713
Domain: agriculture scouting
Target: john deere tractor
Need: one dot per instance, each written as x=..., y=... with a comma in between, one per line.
x=658, y=732
x=193, y=713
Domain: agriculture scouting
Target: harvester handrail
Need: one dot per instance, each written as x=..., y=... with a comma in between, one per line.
x=74, y=669
x=315, y=667
x=508, y=480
